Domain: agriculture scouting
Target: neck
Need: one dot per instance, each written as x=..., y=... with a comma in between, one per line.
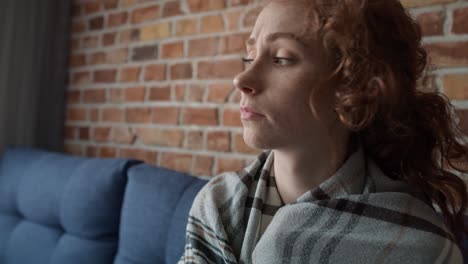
x=305, y=167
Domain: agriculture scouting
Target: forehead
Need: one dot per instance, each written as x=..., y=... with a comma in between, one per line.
x=288, y=19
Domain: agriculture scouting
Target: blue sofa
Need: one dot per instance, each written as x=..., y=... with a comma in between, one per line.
x=63, y=209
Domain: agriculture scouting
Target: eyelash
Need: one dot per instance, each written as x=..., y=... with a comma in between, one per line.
x=249, y=61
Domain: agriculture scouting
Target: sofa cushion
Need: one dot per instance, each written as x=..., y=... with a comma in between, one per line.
x=154, y=215
x=56, y=208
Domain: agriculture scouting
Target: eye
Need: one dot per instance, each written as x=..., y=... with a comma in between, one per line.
x=247, y=61
x=282, y=61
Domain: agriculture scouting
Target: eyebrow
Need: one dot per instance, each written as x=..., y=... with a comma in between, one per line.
x=274, y=36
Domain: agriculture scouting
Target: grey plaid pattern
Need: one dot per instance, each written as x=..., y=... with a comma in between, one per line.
x=356, y=216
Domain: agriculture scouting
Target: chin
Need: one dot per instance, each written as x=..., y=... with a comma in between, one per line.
x=256, y=140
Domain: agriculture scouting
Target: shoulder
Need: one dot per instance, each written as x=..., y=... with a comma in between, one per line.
x=219, y=189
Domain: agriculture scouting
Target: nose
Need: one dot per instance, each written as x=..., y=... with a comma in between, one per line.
x=247, y=82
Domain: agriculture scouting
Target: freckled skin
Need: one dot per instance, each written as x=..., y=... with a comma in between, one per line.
x=308, y=141
x=282, y=92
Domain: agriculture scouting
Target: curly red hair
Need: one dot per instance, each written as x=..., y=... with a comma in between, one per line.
x=380, y=64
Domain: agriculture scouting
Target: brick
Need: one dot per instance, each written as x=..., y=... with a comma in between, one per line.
x=463, y=116
x=194, y=140
x=205, y=5
x=108, y=39
x=186, y=27
x=212, y=24
x=138, y=115
x=448, y=54
x=117, y=56
x=94, y=96
x=73, y=149
x=172, y=8
x=227, y=164
x=112, y=114
x=232, y=20
x=179, y=92
x=129, y=35
x=127, y=3
x=165, y=115
x=161, y=137
x=241, y=2
x=155, y=72
x=251, y=16
x=159, y=93
x=231, y=117
x=74, y=44
x=97, y=58
x=203, y=165
x=148, y=156
x=218, y=141
x=91, y=42
x=145, y=53
x=173, y=50
x=73, y=97
x=100, y=134
x=78, y=27
x=241, y=147
x=76, y=10
x=123, y=135
x=117, y=19
x=83, y=133
x=432, y=24
x=418, y=3
x=135, y=94
x=154, y=32
x=178, y=162
x=115, y=96
x=234, y=43
x=145, y=14
x=200, y=116
x=105, y=76
x=81, y=77
x=181, y=71
x=107, y=152
x=460, y=21
x=69, y=132
x=77, y=60
x=94, y=114
x=456, y=86
x=203, y=47
x=92, y=151
x=110, y=4
x=96, y=23
x=219, y=69
x=91, y=7
x=130, y=74
x=196, y=93
x=219, y=92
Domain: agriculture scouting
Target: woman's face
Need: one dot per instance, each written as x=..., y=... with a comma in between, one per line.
x=283, y=66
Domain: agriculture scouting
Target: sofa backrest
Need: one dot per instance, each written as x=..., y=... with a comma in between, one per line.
x=154, y=215
x=57, y=209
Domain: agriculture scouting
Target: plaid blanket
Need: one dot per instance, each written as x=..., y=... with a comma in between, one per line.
x=358, y=215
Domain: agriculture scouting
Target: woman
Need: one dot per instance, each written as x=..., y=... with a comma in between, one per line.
x=358, y=157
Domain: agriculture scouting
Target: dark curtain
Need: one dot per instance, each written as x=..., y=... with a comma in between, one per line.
x=33, y=72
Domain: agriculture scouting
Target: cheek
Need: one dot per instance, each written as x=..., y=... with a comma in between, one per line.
x=291, y=110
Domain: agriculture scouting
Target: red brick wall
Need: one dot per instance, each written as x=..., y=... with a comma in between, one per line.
x=153, y=79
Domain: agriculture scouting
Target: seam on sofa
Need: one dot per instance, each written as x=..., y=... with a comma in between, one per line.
x=65, y=187
x=177, y=206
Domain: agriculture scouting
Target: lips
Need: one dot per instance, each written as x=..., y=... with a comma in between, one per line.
x=248, y=113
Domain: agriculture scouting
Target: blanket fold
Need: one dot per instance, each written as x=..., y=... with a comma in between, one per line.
x=358, y=215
